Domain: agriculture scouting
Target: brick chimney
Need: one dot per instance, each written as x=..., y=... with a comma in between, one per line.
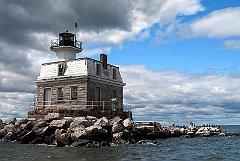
x=103, y=59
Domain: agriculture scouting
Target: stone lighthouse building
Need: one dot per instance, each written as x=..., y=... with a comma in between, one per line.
x=74, y=86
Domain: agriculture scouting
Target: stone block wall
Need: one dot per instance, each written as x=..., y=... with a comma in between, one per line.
x=81, y=93
x=106, y=93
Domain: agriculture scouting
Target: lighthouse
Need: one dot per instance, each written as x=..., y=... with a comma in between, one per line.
x=71, y=86
x=66, y=46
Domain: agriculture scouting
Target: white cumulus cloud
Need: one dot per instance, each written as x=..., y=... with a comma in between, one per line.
x=167, y=95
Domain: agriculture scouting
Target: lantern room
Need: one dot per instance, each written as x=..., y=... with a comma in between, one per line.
x=66, y=39
x=66, y=46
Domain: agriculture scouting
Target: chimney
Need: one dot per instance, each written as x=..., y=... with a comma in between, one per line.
x=103, y=59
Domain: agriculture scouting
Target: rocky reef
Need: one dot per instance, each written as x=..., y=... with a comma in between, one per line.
x=90, y=131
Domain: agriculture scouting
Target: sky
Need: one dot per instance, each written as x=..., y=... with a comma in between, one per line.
x=180, y=59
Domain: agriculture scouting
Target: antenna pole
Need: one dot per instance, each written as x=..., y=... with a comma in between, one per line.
x=75, y=31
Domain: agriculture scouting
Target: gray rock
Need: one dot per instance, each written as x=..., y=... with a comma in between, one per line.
x=118, y=126
x=117, y=136
x=97, y=133
x=49, y=139
x=127, y=123
x=21, y=121
x=40, y=124
x=62, y=124
x=103, y=122
x=51, y=116
x=10, y=136
x=44, y=131
x=29, y=125
x=91, y=118
x=79, y=133
x=3, y=133
x=62, y=138
x=115, y=119
x=23, y=126
x=11, y=120
x=78, y=121
x=1, y=124
x=9, y=127
x=27, y=138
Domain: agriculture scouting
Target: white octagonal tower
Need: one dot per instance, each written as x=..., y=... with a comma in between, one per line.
x=66, y=46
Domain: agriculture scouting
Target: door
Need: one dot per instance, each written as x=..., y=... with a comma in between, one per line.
x=47, y=97
x=98, y=95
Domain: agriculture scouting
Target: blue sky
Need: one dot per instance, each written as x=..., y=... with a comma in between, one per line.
x=199, y=54
x=180, y=59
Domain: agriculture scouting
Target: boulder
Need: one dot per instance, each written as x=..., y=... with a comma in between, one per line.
x=102, y=122
x=44, y=131
x=182, y=130
x=117, y=126
x=62, y=138
x=126, y=135
x=21, y=121
x=1, y=124
x=59, y=124
x=27, y=138
x=91, y=118
x=128, y=123
x=39, y=124
x=97, y=133
x=136, y=134
x=51, y=116
x=9, y=127
x=10, y=136
x=3, y=133
x=11, y=120
x=29, y=125
x=49, y=139
x=81, y=121
x=79, y=133
x=115, y=119
x=117, y=136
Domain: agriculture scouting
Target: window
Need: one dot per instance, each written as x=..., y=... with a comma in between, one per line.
x=74, y=93
x=60, y=93
x=114, y=94
x=60, y=69
x=47, y=97
x=98, y=94
x=98, y=69
x=114, y=73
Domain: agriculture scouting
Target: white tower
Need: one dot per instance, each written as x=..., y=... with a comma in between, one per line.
x=66, y=46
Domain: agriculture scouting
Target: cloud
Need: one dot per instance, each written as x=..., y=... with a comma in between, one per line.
x=218, y=24
x=91, y=52
x=231, y=44
x=167, y=95
x=15, y=104
x=26, y=29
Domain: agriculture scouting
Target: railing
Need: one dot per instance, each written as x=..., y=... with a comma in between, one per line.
x=79, y=104
x=55, y=43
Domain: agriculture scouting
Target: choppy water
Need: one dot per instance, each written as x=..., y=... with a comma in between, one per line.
x=202, y=148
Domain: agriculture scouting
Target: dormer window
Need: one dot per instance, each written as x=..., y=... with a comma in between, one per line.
x=60, y=69
x=98, y=69
x=114, y=73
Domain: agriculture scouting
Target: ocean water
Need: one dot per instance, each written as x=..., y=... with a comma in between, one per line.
x=199, y=148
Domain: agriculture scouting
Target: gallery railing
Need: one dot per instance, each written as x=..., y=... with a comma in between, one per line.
x=78, y=105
